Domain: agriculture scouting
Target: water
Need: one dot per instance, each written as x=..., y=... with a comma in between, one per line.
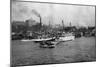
x=29, y=53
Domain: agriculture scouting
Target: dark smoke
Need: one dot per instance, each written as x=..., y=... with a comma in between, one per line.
x=36, y=13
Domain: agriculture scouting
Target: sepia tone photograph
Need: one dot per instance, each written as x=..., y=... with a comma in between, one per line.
x=45, y=33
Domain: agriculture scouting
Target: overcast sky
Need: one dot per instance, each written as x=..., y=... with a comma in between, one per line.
x=54, y=13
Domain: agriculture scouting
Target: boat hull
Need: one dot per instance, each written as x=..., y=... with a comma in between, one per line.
x=39, y=40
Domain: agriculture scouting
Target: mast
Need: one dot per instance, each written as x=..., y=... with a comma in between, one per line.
x=40, y=21
x=70, y=24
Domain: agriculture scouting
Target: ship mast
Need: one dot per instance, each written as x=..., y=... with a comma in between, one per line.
x=40, y=21
x=70, y=24
x=63, y=24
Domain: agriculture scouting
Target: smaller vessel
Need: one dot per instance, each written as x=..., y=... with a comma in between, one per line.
x=47, y=44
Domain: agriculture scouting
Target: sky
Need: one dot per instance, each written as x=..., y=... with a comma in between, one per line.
x=53, y=13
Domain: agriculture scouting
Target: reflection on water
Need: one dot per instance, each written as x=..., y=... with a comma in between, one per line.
x=28, y=53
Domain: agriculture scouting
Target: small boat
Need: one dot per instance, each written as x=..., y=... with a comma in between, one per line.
x=47, y=44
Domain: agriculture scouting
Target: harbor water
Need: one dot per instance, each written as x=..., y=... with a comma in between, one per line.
x=29, y=53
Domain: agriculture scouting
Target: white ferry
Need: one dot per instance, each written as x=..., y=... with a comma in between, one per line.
x=66, y=37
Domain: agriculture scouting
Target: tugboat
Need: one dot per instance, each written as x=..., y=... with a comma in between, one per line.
x=47, y=44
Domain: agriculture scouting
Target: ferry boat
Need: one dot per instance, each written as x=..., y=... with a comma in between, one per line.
x=66, y=37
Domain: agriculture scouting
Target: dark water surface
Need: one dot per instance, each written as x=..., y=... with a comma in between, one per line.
x=29, y=53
